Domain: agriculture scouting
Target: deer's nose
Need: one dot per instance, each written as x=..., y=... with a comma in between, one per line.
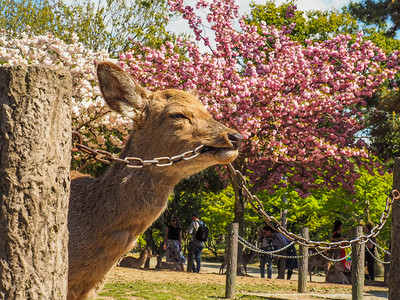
x=236, y=140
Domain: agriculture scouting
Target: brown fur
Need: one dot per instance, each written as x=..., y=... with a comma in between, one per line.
x=135, y=263
x=163, y=265
x=106, y=214
x=336, y=274
x=247, y=258
x=318, y=261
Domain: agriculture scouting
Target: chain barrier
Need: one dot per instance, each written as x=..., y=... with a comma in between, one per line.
x=250, y=246
x=377, y=258
x=246, y=244
x=133, y=162
x=336, y=259
x=239, y=179
x=379, y=247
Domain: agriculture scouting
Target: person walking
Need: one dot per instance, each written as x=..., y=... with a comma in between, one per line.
x=173, y=243
x=270, y=240
x=197, y=245
x=267, y=245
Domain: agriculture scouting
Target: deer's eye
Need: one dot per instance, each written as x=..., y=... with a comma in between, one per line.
x=179, y=116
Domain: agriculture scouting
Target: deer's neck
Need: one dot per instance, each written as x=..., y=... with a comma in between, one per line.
x=118, y=206
x=142, y=258
x=138, y=196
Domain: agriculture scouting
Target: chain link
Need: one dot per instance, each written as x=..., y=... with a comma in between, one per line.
x=377, y=258
x=246, y=244
x=336, y=259
x=379, y=247
x=241, y=182
x=133, y=162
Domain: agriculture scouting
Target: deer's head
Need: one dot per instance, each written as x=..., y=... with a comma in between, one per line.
x=168, y=122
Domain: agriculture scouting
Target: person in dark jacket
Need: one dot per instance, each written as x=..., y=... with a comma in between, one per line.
x=197, y=245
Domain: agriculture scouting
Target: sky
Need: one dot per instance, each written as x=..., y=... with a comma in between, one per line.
x=307, y=4
x=180, y=26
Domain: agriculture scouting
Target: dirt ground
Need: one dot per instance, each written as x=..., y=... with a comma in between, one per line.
x=209, y=274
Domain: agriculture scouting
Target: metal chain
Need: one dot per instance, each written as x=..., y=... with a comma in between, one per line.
x=379, y=247
x=321, y=245
x=377, y=258
x=250, y=246
x=246, y=244
x=336, y=259
x=133, y=162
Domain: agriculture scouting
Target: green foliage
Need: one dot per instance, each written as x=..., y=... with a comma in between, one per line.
x=316, y=212
x=110, y=25
x=319, y=211
x=383, y=121
x=217, y=212
x=313, y=24
x=378, y=13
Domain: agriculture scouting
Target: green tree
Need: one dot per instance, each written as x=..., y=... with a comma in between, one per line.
x=318, y=211
x=313, y=24
x=383, y=115
x=109, y=25
x=378, y=13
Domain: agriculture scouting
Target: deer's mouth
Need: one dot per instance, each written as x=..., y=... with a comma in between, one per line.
x=215, y=149
x=225, y=155
x=208, y=149
x=222, y=155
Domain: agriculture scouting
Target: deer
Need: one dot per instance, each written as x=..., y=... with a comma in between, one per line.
x=337, y=274
x=247, y=258
x=163, y=265
x=319, y=261
x=135, y=263
x=108, y=213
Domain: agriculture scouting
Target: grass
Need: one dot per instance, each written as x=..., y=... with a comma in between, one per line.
x=193, y=291
x=162, y=291
x=121, y=288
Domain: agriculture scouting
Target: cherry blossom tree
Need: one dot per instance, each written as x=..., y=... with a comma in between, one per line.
x=299, y=108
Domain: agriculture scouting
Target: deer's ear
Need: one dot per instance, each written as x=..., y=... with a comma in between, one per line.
x=119, y=90
x=194, y=92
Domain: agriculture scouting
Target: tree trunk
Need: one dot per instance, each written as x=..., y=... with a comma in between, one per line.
x=394, y=279
x=35, y=135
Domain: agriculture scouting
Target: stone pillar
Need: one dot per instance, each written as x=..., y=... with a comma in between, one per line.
x=35, y=137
